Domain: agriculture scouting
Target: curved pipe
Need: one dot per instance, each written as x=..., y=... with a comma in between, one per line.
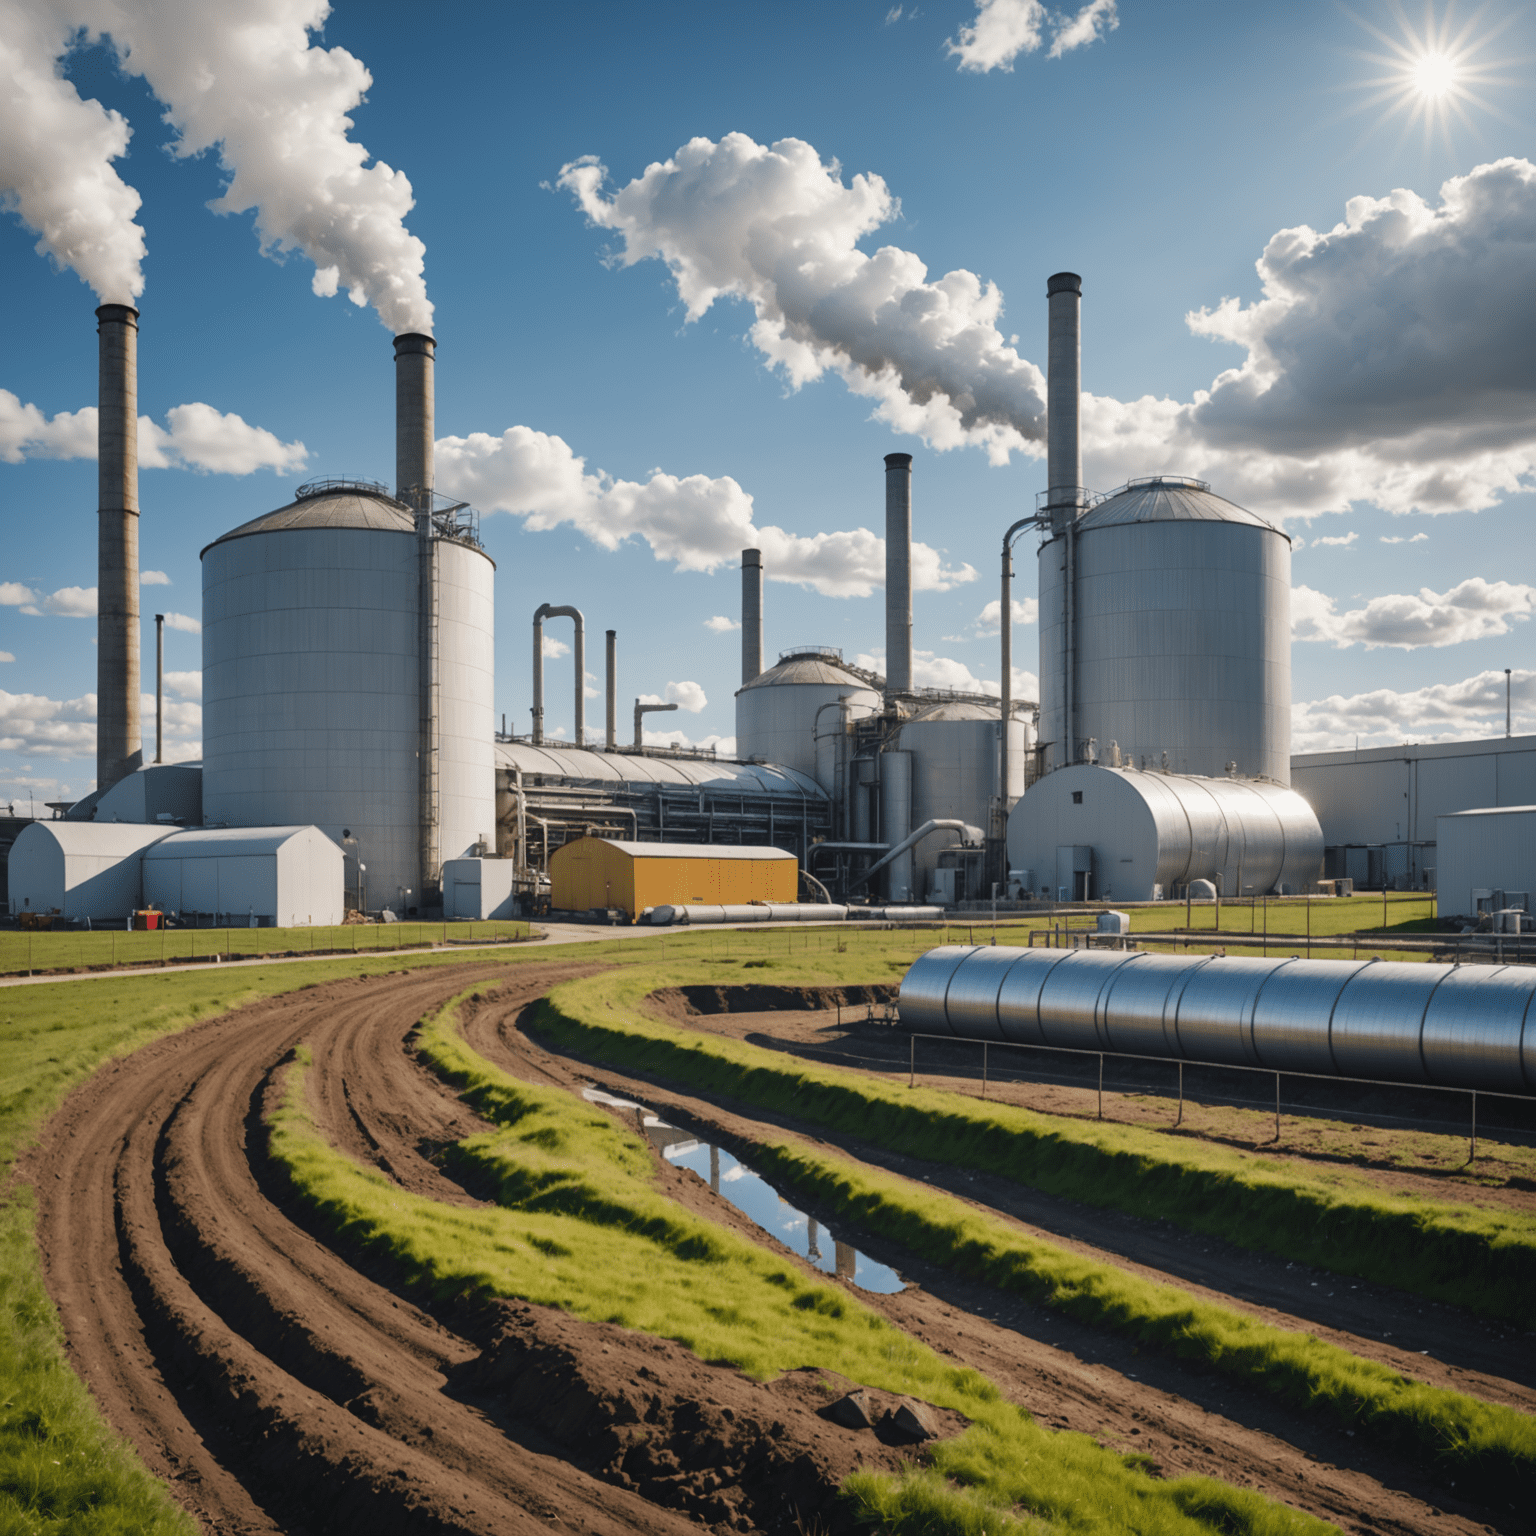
x=641, y=711
x=1468, y=1026
x=968, y=833
x=564, y=611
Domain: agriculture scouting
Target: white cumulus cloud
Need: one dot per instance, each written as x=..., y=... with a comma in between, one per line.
x=184, y=622
x=37, y=726
x=1472, y=610
x=696, y=522
x=1003, y=29
x=1026, y=610
x=686, y=695
x=188, y=684
x=724, y=746
x=154, y=579
x=1418, y=538
x=1462, y=711
x=719, y=624
x=1340, y=540
x=930, y=670
x=7, y=656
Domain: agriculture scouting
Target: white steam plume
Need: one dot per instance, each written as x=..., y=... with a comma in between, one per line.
x=56, y=154
x=696, y=522
x=245, y=79
x=775, y=226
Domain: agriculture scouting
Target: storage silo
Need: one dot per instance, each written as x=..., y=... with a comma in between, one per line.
x=954, y=750
x=315, y=708
x=782, y=712
x=1182, y=616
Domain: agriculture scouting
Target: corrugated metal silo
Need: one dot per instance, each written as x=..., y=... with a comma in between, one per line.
x=1183, y=634
x=312, y=702
x=781, y=712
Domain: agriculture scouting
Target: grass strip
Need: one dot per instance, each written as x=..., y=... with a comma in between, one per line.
x=1480, y=1259
x=584, y=1227
x=1464, y=1436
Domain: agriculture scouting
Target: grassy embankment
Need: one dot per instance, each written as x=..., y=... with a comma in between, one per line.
x=104, y=949
x=582, y=1226
x=1473, y=1257
x=61, y=1468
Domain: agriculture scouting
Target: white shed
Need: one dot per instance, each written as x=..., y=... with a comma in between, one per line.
x=80, y=868
x=286, y=877
x=1484, y=859
x=478, y=888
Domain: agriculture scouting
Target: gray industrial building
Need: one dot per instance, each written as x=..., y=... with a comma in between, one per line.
x=1487, y=862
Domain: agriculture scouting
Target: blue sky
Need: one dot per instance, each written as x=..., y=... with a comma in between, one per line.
x=1159, y=157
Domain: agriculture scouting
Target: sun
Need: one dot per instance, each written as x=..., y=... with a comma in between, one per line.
x=1435, y=75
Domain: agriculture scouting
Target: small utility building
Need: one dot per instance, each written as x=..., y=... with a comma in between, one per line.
x=80, y=869
x=1485, y=860
x=284, y=877
x=602, y=872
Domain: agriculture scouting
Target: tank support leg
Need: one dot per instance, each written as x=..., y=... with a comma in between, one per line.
x=1180, y=1120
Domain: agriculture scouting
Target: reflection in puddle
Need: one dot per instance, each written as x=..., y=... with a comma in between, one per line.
x=758, y=1200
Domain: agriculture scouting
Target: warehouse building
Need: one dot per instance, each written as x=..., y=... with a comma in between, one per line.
x=596, y=873
x=80, y=869
x=234, y=877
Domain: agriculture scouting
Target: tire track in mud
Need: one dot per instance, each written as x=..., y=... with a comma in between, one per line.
x=1067, y=1375
x=275, y=1386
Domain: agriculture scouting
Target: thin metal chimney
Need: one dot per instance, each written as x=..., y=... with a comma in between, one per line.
x=118, y=744
x=1064, y=384
x=612, y=722
x=898, y=573
x=751, y=614
x=159, y=687
x=551, y=611
x=414, y=411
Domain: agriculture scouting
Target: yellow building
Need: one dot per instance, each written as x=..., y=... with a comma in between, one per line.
x=602, y=872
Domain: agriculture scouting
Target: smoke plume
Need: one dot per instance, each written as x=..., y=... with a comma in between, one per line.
x=56, y=154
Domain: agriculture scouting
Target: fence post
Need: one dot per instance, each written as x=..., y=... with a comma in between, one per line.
x=912, y=1064
x=983, y=1069
x=1472, y=1154
x=1277, y=1106
x=1180, y=1120
x=1101, y=1085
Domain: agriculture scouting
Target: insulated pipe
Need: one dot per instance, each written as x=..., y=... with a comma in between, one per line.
x=612, y=704
x=551, y=611
x=998, y=832
x=969, y=833
x=1452, y=1026
x=751, y=614
x=118, y=741
x=642, y=710
x=898, y=573
x=414, y=411
x=159, y=686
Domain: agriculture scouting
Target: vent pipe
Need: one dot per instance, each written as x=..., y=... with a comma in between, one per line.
x=414, y=411
x=612, y=722
x=641, y=711
x=751, y=614
x=118, y=745
x=159, y=687
x=898, y=573
x=550, y=611
x=1064, y=498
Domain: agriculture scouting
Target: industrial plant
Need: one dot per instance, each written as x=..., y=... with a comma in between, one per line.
x=351, y=761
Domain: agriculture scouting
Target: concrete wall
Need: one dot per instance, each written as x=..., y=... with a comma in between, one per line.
x=1492, y=850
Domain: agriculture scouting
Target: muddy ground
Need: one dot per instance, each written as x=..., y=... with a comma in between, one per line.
x=282, y=1383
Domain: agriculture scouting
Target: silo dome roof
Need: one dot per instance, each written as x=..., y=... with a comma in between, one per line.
x=1169, y=499
x=957, y=709
x=822, y=665
x=332, y=504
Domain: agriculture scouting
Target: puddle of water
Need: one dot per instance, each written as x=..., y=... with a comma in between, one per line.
x=758, y=1200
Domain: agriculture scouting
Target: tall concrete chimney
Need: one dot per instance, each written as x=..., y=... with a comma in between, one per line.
x=751, y=614
x=898, y=573
x=1064, y=385
x=414, y=355
x=118, y=745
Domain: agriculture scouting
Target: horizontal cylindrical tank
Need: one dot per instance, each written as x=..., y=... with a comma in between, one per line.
x=767, y=912
x=1154, y=832
x=1446, y=1025
x=1183, y=604
x=311, y=682
x=779, y=712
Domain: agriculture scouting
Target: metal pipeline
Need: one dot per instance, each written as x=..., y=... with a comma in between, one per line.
x=641, y=711
x=1468, y=1026
x=551, y=611
x=969, y=833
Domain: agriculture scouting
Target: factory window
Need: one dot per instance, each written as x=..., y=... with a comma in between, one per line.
x=1077, y=797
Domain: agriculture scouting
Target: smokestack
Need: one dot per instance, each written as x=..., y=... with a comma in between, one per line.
x=159, y=686
x=118, y=748
x=612, y=734
x=1064, y=384
x=898, y=573
x=751, y=614
x=414, y=354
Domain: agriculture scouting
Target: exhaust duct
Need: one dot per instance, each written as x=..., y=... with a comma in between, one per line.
x=898, y=573
x=118, y=742
x=751, y=614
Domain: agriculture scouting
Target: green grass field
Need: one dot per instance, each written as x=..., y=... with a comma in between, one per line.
x=1336, y=1218
x=581, y=1225
x=104, y=949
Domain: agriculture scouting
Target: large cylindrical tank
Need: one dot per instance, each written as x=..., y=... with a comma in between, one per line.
x=312, y=709
x=781, y=711
x=1152, y=833
x=1183, y=634
x=953, y=744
